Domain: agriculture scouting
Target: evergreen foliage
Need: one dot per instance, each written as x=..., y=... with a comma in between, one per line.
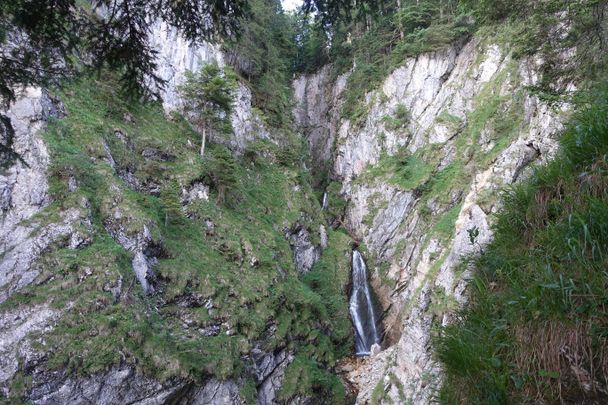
x=221, y=171
x=208, y=99
x=232, y=255
x=41, y=39
x=262, y=55
x=170, y=200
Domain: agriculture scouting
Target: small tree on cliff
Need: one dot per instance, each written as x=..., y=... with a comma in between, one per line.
x=208, y=100
x=169, y=198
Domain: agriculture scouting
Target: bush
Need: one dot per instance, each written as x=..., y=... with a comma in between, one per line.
x=170, y=199
x=222, y=172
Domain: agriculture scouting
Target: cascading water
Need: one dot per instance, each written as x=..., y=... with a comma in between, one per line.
x=363, y=309
x=324, y=202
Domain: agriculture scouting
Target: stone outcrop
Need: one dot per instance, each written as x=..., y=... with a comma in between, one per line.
x=24, y=190
x=416, y=235
x=176, y=56
x=474, y=128
x=123, y=385
x=305, y=252
x=25, y=233
x=317, y=112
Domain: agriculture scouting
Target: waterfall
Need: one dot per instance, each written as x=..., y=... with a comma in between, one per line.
x=363, y=309
x=324, y=202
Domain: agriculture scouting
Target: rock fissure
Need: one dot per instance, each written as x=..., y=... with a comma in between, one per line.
x=443, y=92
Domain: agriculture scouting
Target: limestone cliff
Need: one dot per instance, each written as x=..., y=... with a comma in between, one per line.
x=421, y=174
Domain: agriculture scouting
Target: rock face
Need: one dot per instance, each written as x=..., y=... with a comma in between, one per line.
x=124, y=385
x=24, y=190
x=305, y=253
x=176, y=56
x=463, y=127
x=25, y=233
x=317, y=112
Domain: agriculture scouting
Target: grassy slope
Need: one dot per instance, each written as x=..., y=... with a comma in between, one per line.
x=198, y=265
x=536, y=330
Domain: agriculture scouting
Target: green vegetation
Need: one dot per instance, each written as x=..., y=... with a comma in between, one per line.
x=208, y=100
x=399, y=120
x=330, y=278
x=377, y=41
x=336, y=205
x=224, y=266
x=304, y=376
x=399, y=33
x=403, y=169
x=262, y=55
x=170, y=200
x=536, y=327
x=55, y=35
x=536, y=330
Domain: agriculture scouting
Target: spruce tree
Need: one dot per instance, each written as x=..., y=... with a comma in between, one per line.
x=171, y=203
x=208, y=100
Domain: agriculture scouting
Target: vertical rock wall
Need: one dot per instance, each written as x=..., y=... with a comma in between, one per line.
x=176, y=56
x=422, y=189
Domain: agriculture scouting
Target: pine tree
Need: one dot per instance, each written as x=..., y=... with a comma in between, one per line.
x=222, y=170
x=208, y=100
x=170, y=200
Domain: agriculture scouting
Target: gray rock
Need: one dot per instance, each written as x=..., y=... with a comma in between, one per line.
x=123, y=385
x=439, y=91
x=24, y=192
x=176, y=55
x=305, y=254
x=157, y=154
x=197, y=191
x=269, y=371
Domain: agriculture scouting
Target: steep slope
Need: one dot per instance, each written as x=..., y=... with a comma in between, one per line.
x=535, y=329
x=421, y=175
x=124, y=280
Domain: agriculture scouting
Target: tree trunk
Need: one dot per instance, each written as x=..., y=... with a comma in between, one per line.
x=401, y=34
x=203, y=139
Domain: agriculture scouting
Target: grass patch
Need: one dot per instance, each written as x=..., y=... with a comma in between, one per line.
x=403, y=169
x=225, y=276
x=536, y=327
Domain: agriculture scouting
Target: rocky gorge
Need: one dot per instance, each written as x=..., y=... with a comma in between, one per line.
x=472, y=128
x=414, y=183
